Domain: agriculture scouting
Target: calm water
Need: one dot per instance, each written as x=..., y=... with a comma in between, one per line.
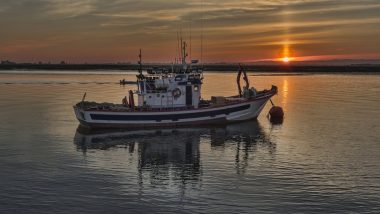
x=323, y=158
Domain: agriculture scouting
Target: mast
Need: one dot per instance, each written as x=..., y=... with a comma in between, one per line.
x=140, y=76
x=184, y=54
x=140, y=64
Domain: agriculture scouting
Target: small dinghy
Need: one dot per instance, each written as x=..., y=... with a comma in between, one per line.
x=126, y=82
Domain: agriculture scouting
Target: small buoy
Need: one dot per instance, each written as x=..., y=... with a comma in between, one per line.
x=276, y=114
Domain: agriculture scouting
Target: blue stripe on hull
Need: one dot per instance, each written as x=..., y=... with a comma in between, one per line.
x=207, y=122
x=168, y=116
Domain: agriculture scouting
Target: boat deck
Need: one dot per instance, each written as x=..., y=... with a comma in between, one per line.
x=204, y=104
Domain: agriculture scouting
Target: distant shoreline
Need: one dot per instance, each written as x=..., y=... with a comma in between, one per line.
x=207, y=67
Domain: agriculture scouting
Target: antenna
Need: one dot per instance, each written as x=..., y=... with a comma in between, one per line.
x=202, y=33
x=190, y=45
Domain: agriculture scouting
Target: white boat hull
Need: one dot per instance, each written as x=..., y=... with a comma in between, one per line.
x=243, y=111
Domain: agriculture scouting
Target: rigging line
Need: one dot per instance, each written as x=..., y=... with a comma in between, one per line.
x=190, y=45
x=180, y=43
x=178, y=48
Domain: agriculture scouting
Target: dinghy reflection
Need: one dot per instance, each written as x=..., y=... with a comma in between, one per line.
x=178, y=150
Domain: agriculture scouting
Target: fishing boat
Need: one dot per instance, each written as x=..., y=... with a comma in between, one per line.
x=172, y=97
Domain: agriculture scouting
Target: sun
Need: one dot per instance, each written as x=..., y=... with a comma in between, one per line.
x=285, y=59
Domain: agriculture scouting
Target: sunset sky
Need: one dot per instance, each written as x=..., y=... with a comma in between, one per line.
x=234, y=31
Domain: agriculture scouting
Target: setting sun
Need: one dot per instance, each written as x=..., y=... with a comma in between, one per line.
x=286, y=52
x=286, y=59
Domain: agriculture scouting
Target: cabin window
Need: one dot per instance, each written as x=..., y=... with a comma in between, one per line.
x=163, y=96
x=180, y=77
x=150, y=97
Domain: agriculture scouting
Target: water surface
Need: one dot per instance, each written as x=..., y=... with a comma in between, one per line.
x=323, y=158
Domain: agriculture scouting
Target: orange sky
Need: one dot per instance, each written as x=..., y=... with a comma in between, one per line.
x=234, y=31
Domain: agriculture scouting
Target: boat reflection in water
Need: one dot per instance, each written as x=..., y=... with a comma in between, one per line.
x=168, y=151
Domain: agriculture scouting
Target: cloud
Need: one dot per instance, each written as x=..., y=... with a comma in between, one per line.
x=229, y=26
x=70, y=8
x=3, y=8
x=332, y=9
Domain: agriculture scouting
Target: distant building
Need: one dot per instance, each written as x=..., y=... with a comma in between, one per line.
x=7, y=62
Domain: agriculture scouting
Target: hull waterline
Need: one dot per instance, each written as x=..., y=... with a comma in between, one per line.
x=243, y=111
